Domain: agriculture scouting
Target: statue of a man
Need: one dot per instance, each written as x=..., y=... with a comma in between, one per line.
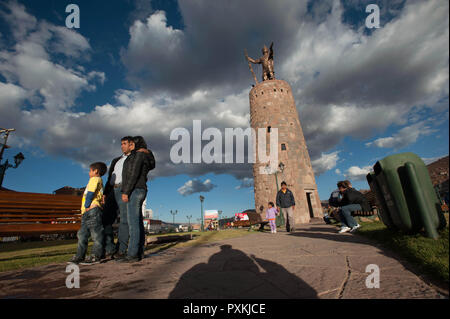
x=267, y=63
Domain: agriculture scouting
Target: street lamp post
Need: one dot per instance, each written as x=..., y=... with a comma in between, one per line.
x=189, y=218
x=173, y=214
x=201, y=207
x=18, y=159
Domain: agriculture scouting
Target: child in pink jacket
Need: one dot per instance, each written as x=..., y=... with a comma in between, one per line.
x=271, y=215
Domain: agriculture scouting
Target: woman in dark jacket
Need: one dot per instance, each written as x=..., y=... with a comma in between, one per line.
x=148, y=165
x=352, y=200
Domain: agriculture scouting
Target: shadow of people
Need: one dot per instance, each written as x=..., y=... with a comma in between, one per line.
x=230, y=273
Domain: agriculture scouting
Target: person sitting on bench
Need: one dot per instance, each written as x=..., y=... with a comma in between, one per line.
x=352, y=200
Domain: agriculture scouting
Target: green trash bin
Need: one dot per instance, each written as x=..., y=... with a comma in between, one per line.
x=383, y=211
x=406, y=195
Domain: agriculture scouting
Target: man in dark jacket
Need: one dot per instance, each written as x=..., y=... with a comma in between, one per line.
x=285, y=200
x=352, y=200
x=134, y=191
x=113, y=198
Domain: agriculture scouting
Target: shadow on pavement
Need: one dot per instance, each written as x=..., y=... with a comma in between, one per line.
x=333, y=235
x=230, y=273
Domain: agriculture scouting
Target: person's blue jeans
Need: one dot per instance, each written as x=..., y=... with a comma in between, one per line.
x=109, y=216
x=91, y=225
x=123, y=225
x=131, y=224
x=345, y=214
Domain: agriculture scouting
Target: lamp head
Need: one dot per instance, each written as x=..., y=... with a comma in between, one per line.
x=18, y=159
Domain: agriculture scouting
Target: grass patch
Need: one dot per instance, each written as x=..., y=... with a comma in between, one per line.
x=430, y=256
x=31, y=254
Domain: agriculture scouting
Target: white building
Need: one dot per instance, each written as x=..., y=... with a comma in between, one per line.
x=152, y=225
x=148, y=213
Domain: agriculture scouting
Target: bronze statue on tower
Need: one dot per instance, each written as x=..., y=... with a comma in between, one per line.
x=267, y=63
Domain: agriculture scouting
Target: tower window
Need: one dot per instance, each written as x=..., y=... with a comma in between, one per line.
x=283, y=147
x=268, y=129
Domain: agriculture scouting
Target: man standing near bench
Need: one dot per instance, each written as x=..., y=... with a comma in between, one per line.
x=113, y=200
x=285, y=200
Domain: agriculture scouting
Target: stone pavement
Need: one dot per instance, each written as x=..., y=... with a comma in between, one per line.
x=313, y=262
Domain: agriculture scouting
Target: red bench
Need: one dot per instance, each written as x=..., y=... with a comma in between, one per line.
x=24, y=214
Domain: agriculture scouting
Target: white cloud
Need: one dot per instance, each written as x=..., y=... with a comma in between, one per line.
x=325, y=162
x=29, y=64
x=404, y=137
x=245, y=183
x=345, y=83
x=357, y=173
x=196, y=186
x=23, y=22
x=337, y=171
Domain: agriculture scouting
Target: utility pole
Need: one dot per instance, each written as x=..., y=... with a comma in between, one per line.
x=201, y=203
x=218, y=223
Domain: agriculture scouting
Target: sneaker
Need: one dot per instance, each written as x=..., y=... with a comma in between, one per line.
x=344, y=229
x=129, y=260
x=75, y=260
x=274, y=231
x=109, y=256
x=354, y=228
x=118, y=256
x=92, y=260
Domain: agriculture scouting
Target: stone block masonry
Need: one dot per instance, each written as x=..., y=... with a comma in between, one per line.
x=272, y=105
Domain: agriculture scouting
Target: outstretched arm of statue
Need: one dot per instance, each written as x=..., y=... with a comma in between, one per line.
x=253, y=61
x=271, y=51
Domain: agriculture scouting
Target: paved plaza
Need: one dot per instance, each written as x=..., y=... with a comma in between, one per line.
x=313, y=262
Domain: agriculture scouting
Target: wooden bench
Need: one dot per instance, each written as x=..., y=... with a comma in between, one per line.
x=364, y=214
x=254, y=219
x=23, y=214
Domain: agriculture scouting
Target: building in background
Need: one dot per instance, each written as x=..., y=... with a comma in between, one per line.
x=152, y=225
x=211, y=219
x=148, y=213
x=67, y=190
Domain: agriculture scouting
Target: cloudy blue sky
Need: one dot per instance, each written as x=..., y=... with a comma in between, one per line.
x=140, y=67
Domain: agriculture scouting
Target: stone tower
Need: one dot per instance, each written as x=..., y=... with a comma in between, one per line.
x=272, y=105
